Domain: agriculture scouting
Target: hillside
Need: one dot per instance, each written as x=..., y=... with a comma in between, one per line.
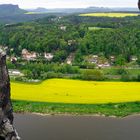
x=10, y=14
x=60, y=46
x=9, y=9
x=62, y=36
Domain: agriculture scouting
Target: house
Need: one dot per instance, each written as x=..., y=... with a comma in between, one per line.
x=70, y=59
x=59, y=18
x=15, y=72
x=13, y=60
x=103, y=65
x=94, y=59
x=63, y=28
x=69, y=62
x=26, y=55
x=71, y=42
x=48, y=56
x=134, y=58
x=106, y=64
x=112, y=58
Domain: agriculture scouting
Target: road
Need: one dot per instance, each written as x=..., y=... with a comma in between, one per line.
x=35, y=127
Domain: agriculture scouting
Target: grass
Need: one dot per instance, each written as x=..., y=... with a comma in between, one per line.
x=98, y=28
x=77, y=92
x=114, y=71
x=116, y=109
x=109, y=14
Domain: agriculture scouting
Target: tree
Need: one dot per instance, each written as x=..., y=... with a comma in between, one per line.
x=138, y=61
x=120, y=60
x=78, y=57
x=93, y=75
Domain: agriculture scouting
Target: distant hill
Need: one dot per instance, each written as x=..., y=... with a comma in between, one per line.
x=82, y=10
x=129, y=9
x=70, y=10
x=10, y=14
x=9, y=9
x=39, y=9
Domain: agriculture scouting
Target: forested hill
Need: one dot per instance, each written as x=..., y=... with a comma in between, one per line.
x=62, y=36
x=10, y=14
x=9, y=9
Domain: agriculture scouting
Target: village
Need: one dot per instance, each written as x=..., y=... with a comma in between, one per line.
x=96, y=61
x=100, y=62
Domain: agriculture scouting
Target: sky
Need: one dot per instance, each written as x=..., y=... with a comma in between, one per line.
x=28, y=4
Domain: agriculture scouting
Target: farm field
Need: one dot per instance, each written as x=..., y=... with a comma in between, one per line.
x=109, y=14
x=76, y=91
x=34, y=13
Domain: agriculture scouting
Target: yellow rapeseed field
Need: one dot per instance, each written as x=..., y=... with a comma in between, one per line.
x=110, y=14
x=34, y=13
x=76, y=91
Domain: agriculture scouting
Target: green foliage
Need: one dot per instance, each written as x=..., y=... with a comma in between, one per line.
x=121, y=71
x=10, y=65
x=129, y=78
x=87, y=65
x=117, y=109
x=44, y=71
x=93, y=75
x=116, y=37
x=126, y=77
x=120, y=60
x=138, y=78
x=60, y=56
x=52, y=75
x=138, y=61
x=78, y=57
x=45, y=35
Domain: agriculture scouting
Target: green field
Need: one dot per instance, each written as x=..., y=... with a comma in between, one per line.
x=115, y=109
x=109, y=14
x=76, y=91
x=98, y=28
x=34, y=13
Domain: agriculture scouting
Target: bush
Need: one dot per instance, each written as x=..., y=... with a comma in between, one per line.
x=53, y=75
x=126, y=77
x=10, y=65
x=138, y=78
x=93, y=75
x=68, y=69
x=18, y=79
x=87, y=66
x=121, y=71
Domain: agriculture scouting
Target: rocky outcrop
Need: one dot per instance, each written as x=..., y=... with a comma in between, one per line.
x=9, y=9
x=7, y=130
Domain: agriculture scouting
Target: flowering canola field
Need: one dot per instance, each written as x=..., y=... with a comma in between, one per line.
x=76, y=91
x=109, y=14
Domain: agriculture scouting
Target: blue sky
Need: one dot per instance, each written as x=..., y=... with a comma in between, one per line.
x=71, y=3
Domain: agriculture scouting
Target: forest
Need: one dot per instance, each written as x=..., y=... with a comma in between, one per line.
x=87, y=42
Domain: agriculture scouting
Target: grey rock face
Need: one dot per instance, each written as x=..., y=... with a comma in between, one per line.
x=7, y=130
